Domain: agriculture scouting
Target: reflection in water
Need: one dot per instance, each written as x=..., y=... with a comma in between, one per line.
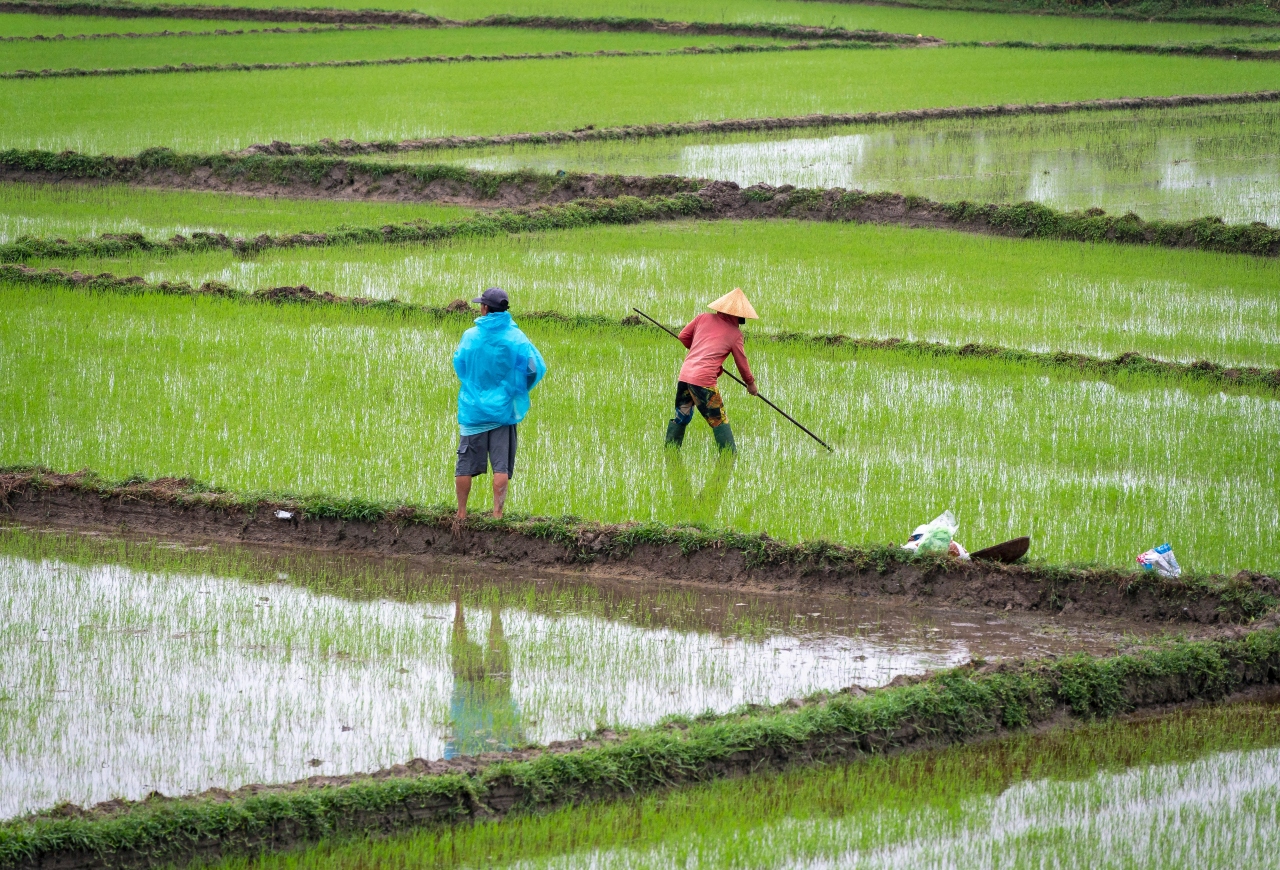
x=484, y=716
x=1161, y=163
x=703, y=508
x=130, y=667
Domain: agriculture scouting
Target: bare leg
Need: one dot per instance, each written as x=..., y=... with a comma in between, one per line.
x=499, y=494
x=462, y=485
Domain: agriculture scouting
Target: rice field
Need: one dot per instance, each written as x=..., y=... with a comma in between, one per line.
x=250, y=397
x=129, y=666
x=860, y=280
x=1186, y=790
x=115, y=654
x=216, y=111
x=952, y=26
x=1176, y=164
x=25, y=24
x=335, y=45
x=80, y=210
x=299, y=659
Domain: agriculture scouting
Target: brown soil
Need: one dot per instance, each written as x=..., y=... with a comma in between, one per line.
x=167, y=508
x=355, y=182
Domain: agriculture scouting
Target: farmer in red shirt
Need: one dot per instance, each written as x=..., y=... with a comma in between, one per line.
x=710, y=339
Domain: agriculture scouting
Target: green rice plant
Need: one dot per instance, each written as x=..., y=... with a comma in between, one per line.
x=335, y=45
x=24, y=24
x=74, y=210
x=860, y=280
x=360, y=404
x=116, y=653
x=948, y=25
x=1161, y=163
x=1180, y=774
x=217, y=111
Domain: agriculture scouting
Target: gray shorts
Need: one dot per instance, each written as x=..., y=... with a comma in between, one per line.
x=475, y=452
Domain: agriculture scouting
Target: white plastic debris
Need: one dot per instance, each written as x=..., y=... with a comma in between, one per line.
x=937, y=537
x=1161, y=560
x=284, y=515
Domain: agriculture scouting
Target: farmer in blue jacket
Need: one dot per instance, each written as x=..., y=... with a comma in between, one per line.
x=498, y=366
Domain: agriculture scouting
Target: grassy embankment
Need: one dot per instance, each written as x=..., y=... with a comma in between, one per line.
x=858, y=280
x=221, y=392
x=204, y=112
x=949, y=25
x=73, y=211
x=1197, y=781
x=336, y=45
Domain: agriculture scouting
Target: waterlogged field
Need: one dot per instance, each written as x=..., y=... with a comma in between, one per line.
x=1165, y=163
x=215, y=111
x=334, y=45
x=1187, y=790
x=77, y=210
x=133, y=667
x=946, y=25
x=254, y=397
x=861, y=280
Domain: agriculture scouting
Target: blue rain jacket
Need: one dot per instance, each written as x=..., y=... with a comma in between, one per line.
x=498, y=366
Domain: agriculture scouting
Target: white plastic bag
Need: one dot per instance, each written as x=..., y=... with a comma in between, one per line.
x=937, y=537
x=1161, y=560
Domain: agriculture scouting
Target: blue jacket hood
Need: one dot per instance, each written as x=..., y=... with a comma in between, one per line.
x=497, y=366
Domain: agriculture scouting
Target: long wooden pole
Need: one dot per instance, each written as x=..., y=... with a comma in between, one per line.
x=739, y=380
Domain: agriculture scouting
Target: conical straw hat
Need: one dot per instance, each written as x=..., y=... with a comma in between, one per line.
x=735, y=304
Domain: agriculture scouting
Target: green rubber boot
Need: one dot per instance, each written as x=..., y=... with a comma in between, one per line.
x=675, y=433
x=724, y=438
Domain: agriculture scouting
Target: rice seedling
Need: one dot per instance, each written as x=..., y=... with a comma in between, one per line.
x=216, y=111
x=944, y=24
x=861, y=280
x=360, y=404
x=115, y=654
x=24, y=24
x=1188, y=789
x=335, y=45
x=1161, y=163
x=74, y=211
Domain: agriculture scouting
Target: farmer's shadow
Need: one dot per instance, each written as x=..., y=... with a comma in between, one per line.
x=485, y=717
x=703, y=508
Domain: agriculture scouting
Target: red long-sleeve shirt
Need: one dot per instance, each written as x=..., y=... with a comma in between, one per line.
x=711, y=337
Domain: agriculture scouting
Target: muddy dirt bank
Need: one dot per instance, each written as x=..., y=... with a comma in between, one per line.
x=176, y=509
x=573, y=201
x=418, y=19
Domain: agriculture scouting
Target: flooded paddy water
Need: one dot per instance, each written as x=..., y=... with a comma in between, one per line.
x=1161, y=163
x=131, y=667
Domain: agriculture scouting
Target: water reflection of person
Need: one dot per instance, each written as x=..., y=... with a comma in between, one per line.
x=704, y=507
x=484, y=716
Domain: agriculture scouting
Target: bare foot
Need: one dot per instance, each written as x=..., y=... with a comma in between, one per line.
x=455, y=528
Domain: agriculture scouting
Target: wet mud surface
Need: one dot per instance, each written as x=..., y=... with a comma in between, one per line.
x=164, y=508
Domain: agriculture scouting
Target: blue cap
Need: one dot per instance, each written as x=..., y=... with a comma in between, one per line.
x=495, y=298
